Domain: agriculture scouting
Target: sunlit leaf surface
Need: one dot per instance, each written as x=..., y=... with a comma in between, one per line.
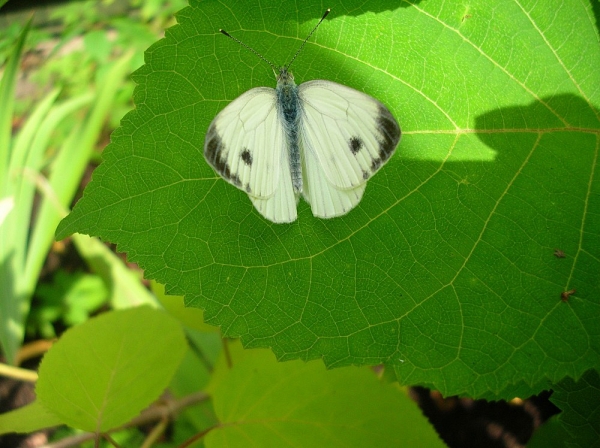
x=447, y=268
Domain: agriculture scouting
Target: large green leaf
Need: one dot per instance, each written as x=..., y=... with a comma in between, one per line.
x=446, y=270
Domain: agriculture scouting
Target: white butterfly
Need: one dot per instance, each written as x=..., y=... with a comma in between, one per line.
x=321, y=140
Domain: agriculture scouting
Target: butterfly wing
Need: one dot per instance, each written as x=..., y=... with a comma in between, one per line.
x=281, y=207
x=346, y=137
x=246, y=145
x=326, y=200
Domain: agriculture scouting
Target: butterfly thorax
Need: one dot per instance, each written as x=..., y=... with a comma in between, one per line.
x=289, y=110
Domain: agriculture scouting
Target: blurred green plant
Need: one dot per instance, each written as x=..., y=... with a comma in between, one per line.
x=70, y=298
x=28, y=163
x=91, y=35
x=59, y=137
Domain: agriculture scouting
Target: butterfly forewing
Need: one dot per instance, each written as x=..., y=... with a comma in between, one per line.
x=350, y=133
x=245, y=143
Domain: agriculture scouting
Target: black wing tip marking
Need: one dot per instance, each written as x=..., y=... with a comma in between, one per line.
x=213, y=149
x=390, y=132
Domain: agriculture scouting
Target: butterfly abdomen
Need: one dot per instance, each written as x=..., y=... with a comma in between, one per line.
x=288, y=104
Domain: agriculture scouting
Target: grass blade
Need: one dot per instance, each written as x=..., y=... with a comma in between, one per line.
x=7, y=99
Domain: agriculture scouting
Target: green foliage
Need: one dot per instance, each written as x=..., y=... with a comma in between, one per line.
x=446, y=269
x=124, y=284
x=29, y=163
x=262, y=403
x=11, y=257
x=69, y=298
x=123, y=347
x=11, y=35
x=580, y=401
x=548, y=435
x=28, y=419
x=105, y=371
x=101, y=374
x=50, y=152
x=190, y=317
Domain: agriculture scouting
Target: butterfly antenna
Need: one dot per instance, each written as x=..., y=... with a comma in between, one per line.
x=249, y=48
x=308, y=37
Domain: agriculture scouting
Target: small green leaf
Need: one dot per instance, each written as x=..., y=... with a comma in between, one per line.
x=261, y=402
x=30, y=418
x=104, y=372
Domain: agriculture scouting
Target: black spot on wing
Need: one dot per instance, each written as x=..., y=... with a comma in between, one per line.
x=366, y=175
x=213, y=151
x=355, y=144
x=247, y=157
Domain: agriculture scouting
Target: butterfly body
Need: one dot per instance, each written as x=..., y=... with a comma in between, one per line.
x=288, y=108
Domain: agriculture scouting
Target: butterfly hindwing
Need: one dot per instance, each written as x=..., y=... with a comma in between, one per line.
x=246, y=145
x=281, y=206
x=326, y=201
x=350, y=133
